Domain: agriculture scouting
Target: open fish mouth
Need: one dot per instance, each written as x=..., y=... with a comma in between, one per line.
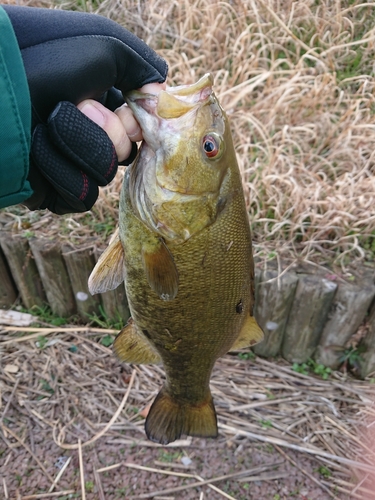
x=173, y=102
x=180, y=165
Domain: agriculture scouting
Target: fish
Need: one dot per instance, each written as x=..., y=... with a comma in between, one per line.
x=184, y=250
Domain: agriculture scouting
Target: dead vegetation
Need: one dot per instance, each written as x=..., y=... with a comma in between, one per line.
x=71, y=420
x=296, y=79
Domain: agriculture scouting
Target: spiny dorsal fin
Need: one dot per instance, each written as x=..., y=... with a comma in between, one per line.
x=250, y=334
x=161, y=271
x=108, y=272
x=132, y=347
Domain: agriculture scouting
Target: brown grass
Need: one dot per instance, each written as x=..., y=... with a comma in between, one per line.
x=296, y=79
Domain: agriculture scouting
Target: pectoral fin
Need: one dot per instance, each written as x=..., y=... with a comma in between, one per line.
x=108, y=272
x=250, y=334
x=161, y=271
x=131, y=346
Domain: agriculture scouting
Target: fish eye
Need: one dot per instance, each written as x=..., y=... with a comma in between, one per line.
x=212, y=146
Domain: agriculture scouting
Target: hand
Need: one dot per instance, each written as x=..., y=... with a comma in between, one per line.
x=121, y=126
x=70, y=57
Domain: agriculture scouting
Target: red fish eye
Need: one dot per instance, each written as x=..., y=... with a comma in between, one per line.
x=210, y=146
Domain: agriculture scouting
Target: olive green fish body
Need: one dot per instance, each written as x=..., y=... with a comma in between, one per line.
x=188, y=260
x=214, y=293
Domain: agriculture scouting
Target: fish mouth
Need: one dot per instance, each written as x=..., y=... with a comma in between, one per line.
x=173, y=102
x=162, y=117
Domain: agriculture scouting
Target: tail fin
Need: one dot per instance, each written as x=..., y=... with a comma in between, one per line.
x=169, y=419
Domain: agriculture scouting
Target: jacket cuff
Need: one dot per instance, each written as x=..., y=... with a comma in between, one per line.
x=15, y=112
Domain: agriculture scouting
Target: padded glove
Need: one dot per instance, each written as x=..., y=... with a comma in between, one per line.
x=68, y=57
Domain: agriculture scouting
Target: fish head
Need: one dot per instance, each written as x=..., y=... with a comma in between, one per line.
x=177, y=178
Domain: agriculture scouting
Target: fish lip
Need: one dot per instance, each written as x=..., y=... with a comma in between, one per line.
x=135, y=95
x=206, y=81
x=203, y=87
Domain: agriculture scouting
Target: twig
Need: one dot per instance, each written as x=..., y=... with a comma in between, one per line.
x=344, y=490
x=310, y=476
x=5, y=489
x=61, y=472
x=27, y=448
x=48, y=495
x=9, y=400
x=105, y=429
x=81, y=471
x=356, y=440
x=48, y=331
x=98, y=481
x=169, y=473
x=142, y=467
x=192, y=485
x=281, y=442
x=99, y=485
x=268, y=476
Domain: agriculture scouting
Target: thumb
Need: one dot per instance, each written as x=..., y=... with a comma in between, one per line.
x=118, y=131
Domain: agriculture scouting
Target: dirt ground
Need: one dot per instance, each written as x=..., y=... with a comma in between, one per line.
x=209, y=459
x=71, y=417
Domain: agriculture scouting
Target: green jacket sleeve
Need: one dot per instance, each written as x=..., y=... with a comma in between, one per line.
x=15, y=113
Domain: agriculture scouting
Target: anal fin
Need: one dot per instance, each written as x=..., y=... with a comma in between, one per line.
x=161, y=271
x=169, y=419
x=250, y=334
x=108, y=272
x=132, y=347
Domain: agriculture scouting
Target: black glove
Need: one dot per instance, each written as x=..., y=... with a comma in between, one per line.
x=71, y=56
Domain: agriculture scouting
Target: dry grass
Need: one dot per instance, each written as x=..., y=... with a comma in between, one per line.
x=296, y=79
x=71, y=399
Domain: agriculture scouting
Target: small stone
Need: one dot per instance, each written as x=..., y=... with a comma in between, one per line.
x=186, y=461
x=11, y=368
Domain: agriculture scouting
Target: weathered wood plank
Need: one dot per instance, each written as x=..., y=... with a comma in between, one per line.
x=80, y=263
x=367, y=348
x=23, y=268
x=347, y=312
x=307, y=317
x=274, y=301
x=115, y=304
x=8, y=290
x=54, y=276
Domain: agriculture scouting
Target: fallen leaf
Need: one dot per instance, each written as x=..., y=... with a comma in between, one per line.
x=11, y=368
x=145, y=411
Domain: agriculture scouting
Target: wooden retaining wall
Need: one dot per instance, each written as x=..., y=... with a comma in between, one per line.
x=305, y=312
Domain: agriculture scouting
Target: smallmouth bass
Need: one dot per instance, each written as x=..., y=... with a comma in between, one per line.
x=184, y=249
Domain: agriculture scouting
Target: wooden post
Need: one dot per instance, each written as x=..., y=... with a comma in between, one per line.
x=8, y=291
x=80, y=263
x=307, y=317
x=54, y=276
x=367, y=348
x=274, y=301
x=348, y=311
x=115, y=304
x=24, y=271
